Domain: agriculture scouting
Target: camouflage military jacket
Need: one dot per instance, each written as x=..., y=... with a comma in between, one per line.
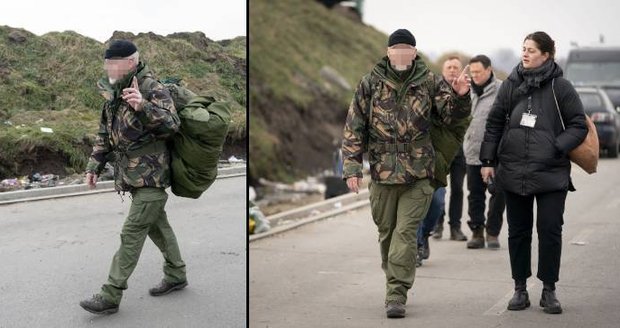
x=134, y=140
x=447, y=140
x=396, y=134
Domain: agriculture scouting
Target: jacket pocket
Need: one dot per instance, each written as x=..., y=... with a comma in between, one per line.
x=543, y=149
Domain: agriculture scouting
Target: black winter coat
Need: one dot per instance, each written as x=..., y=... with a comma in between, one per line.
x=534, y=160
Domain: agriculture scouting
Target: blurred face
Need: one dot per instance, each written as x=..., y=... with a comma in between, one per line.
x=478, y=73
x=401, y=56
x=451, y=69
x=531, y=56
x=116, y=69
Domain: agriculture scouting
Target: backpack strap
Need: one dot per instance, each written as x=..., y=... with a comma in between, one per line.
x=556, y=104
x=509, y=109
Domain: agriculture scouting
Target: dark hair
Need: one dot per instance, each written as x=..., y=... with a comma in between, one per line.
x=544, y=42
x=484, y=60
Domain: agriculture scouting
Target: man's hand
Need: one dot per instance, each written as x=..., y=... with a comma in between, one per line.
x=91, y=180
x=133, y=96
x=354, y=184
x=461, y=83
x=487, y=172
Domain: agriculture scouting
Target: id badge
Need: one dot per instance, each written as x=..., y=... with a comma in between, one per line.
x=528, y=120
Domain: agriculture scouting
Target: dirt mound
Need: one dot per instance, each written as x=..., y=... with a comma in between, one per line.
x=302, y=73
x=49, y=81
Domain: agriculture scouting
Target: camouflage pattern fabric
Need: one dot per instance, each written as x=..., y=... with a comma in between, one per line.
x=447, y=140
x=123, y=132
x=397, y=135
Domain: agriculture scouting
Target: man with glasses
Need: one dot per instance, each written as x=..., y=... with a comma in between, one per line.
x=137, y=118
x=390, y=117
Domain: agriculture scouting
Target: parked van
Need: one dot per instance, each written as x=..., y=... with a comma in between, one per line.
x=596, y=66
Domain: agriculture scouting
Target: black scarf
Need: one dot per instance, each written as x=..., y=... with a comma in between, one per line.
x=534, y=77
x=479, y=89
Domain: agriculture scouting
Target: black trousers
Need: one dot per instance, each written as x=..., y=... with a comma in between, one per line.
x=457, y=177
x=477, y=198
x=549, y=220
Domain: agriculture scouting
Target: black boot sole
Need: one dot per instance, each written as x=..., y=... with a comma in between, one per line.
x=106, y=311
x=477, y=246
x=493, y=246
x=549, y=310
x=395, y=314
x=168, y=291
x=519, y=307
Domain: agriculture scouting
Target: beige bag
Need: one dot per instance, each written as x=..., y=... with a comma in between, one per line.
x=586, y=154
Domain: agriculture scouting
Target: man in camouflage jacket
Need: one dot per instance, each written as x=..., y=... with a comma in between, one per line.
x=137, y=118
x=390, y=117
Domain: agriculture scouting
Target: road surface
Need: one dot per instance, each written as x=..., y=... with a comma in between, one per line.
x=54, y=253
x=327, y=274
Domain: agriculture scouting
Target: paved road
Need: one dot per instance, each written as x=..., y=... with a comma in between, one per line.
x=327, y=274
x=54, y=253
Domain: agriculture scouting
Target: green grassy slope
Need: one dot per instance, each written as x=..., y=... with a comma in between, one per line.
x=49, y=81
x=296, y=115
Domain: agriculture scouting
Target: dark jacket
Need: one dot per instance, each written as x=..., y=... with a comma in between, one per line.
x=533, y=160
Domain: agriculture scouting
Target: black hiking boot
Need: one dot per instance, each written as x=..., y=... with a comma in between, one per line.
x=520, y=300
x=492, y=242
x=477, y=240
x=419, y=256
x=438, y=232
x=426, y=250
x=165, y=287
x=395, y=309
x=457, y=234
x=98, y=305
x=548, y=301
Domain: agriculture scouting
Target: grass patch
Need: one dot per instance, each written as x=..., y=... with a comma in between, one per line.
x=73, y=131
x=51, y=80
x=290, y=41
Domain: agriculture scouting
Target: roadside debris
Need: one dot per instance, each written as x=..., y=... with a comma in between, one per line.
x=257, y=221
x=309, y=186
x=233, y=159
x=35, y=181
x=41, y=180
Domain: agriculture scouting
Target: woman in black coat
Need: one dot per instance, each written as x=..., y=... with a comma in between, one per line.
x=526, y=149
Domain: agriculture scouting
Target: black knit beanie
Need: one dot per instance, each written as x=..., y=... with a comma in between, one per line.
x=120, y=49
x=401, y=36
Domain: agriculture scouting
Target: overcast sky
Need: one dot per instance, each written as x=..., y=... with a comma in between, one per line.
x=217, y=19
x=481, y=26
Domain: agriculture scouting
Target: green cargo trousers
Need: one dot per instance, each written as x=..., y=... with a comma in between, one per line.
x=397, y=210
x=146, y=217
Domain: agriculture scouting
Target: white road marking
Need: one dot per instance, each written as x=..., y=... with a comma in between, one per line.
x=582, y=238
x=502, y=305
